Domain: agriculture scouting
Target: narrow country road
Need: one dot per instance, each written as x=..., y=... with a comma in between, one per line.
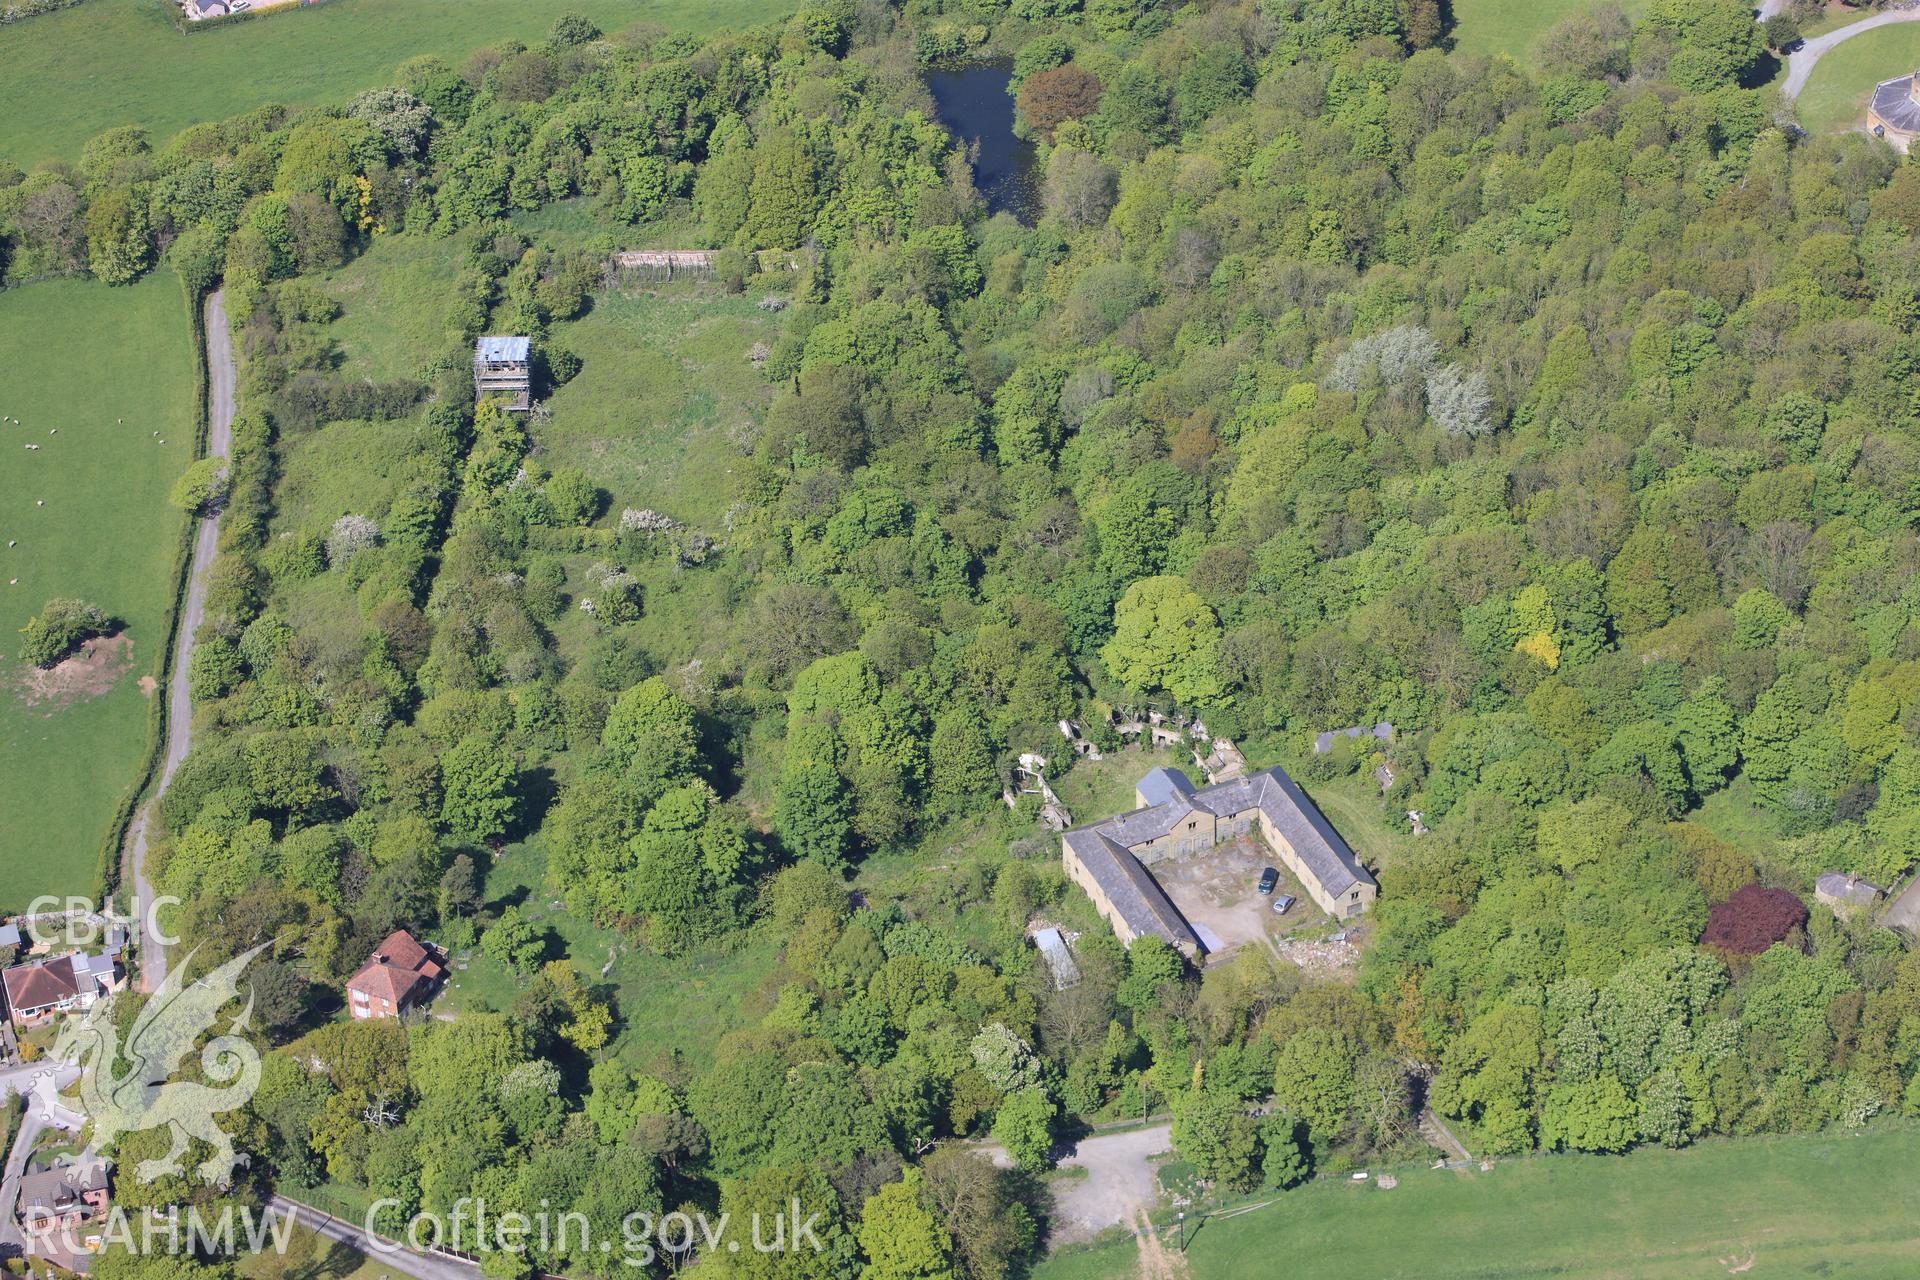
x=220, y=384
x=421, y=1266
x=1800, y=62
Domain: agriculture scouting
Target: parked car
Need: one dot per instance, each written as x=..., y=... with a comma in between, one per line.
x=1281, y=903
x=1268, y=879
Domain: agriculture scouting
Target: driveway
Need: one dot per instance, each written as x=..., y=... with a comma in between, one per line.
x=1800, y=62
x=220, y=384
x=1904, y=911
x=41, y=1114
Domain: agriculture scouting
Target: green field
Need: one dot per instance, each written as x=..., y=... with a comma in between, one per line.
x=1837, y=92
x=1490, y=27
x=82, y=358
x=664, y=379
x=1830, y=1205
x=74, y=73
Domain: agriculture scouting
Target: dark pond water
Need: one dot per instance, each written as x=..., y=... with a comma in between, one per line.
x=974, y=105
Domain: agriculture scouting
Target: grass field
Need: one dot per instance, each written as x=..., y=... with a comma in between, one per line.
x=1837, y=92
x=663, y=385
x=82, y=358
x=1831, y=1205
x=1490, y=27
x=74, y=73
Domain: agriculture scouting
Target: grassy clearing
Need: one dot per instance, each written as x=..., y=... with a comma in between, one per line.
x=1830, y=1205
x=394, y=301
x=72, y=74
x=1738, y=818
x=1488, y=28
x=685, y=1003
x=1836, y=94
x=664, y=388
x=106, y=369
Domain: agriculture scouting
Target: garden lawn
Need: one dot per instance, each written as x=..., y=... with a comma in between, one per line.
x=75, y=73
x=107, y=369
x=1836, y=94
x=1491, y=27
x=1828, y=1205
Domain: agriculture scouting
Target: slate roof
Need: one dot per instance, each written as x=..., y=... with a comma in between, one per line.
x=1163, y=784
x=1136, y=896
x=1323, y=742
x=1846, y=888
x=1313, y=838
x=501, y=349
x=1893, y=102
x=58, y=1189
x=1103, y=846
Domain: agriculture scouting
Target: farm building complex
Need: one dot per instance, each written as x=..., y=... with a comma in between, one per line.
x=1110, y=859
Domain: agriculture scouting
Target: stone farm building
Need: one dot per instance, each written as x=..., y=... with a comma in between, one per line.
x=1894, y=112
x=502, y=367
x=402, y=974
x=1110, y=859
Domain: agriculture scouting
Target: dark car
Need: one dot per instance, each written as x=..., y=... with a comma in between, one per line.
x=1268, y=879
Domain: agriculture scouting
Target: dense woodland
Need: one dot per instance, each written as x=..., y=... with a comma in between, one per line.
x=1565, y=418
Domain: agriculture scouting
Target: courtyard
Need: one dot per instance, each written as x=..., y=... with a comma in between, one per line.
x=1218, y=892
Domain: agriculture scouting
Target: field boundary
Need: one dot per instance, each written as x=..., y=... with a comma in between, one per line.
x=113, y=850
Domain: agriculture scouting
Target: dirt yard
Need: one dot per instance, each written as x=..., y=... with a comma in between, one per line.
x=1218, y=892
x=87, y=674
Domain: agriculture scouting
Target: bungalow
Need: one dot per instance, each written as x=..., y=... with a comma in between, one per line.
x=402, y=974
x=40, y=989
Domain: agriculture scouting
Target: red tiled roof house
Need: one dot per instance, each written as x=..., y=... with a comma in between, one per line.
x=401, y=975
x=40, y=989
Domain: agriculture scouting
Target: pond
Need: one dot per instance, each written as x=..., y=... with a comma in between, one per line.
x=973, y=103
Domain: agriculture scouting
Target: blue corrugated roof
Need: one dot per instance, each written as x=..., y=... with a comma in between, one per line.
x=502, y=348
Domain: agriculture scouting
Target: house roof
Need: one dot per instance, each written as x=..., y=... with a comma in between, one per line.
x=58, y=1188
x=1136, y=896
x=1163, y=784
x=502, y=348
x=41, y=983
x=1893, y=102
x=1846, y=888
x=397, y=969
x=9, y=935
